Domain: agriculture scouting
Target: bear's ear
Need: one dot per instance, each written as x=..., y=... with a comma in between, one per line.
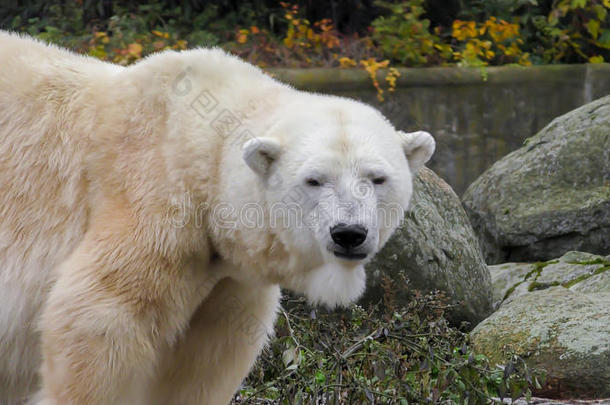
x=418, y=147
x=260, y=153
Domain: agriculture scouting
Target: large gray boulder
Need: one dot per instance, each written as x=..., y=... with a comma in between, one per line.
x=552, y=195
x=556, y=315
x=565, y=332
x=435, y=248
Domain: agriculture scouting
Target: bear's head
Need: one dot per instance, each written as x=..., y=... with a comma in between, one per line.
x=337, y=178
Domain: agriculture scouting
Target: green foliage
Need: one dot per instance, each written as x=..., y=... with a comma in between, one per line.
x=493, y=41
x=553, y=31
x=301, y=33
x=394, y=356
x=575, y=31
x=300, y=43
x=63, y=25
x=404, y=35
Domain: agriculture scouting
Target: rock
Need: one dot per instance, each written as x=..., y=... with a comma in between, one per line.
x=596, y=283
x=552, y=195
x=436, y=248
x=570, y=269
x=567, y=333
x=505, y=278
x=577, y=271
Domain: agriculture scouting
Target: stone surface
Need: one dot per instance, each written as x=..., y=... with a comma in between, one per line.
x=577, y=271
x=570, y=269
x=552, y=195
x=567, y=333
x=506, y=278
x=436, y=248
x=596, y=283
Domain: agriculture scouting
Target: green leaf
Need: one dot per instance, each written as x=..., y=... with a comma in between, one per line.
x=593, y=28
x=600, y=12
x=604, y=38
x=480, y=357
x=320, y=377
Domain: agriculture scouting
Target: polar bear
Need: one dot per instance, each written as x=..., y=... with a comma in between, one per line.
x=150, y=214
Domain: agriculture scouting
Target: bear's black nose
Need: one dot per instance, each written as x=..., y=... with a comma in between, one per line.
x=348, y=236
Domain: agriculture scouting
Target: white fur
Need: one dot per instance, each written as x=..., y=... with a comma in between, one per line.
x=258, y=153
x=140, y=249
x=418, y=146
x=334, y=285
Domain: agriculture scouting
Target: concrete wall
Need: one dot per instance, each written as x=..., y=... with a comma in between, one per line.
x=476, y=116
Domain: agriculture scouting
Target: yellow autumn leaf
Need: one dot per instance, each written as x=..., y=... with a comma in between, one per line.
x=161, y=34
x=102, y=37
x=134, y=50
x=242, y=36
x=98, y=52
x=346, y=62
x=180, y=44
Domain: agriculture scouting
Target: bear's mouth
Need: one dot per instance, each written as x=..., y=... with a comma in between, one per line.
x=350, y=255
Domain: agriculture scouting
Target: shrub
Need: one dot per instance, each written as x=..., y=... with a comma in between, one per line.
x=387, y=354
x=303, y=43
x=405, y=37
x=491, y=42
x=575, y=31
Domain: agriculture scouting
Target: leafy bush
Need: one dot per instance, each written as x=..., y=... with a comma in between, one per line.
x=303, y=33
x=404, y=36
x=575, y=31
x=553, y=31
x=301, y=43
x=493, y=41
x=386, y=354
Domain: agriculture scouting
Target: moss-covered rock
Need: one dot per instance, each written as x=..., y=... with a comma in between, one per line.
x=556, y=314
x=552, y=195
x=436, y=248
x=506, y=278
x=566, y=333
x=597, y=283
x=572, y=269
x=577, y=271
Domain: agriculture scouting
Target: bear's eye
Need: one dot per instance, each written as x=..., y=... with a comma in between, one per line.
x=379, y=180
x=312, y=183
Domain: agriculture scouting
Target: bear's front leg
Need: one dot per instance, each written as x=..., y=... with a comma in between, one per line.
x=216, y=352
x=117, y=304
